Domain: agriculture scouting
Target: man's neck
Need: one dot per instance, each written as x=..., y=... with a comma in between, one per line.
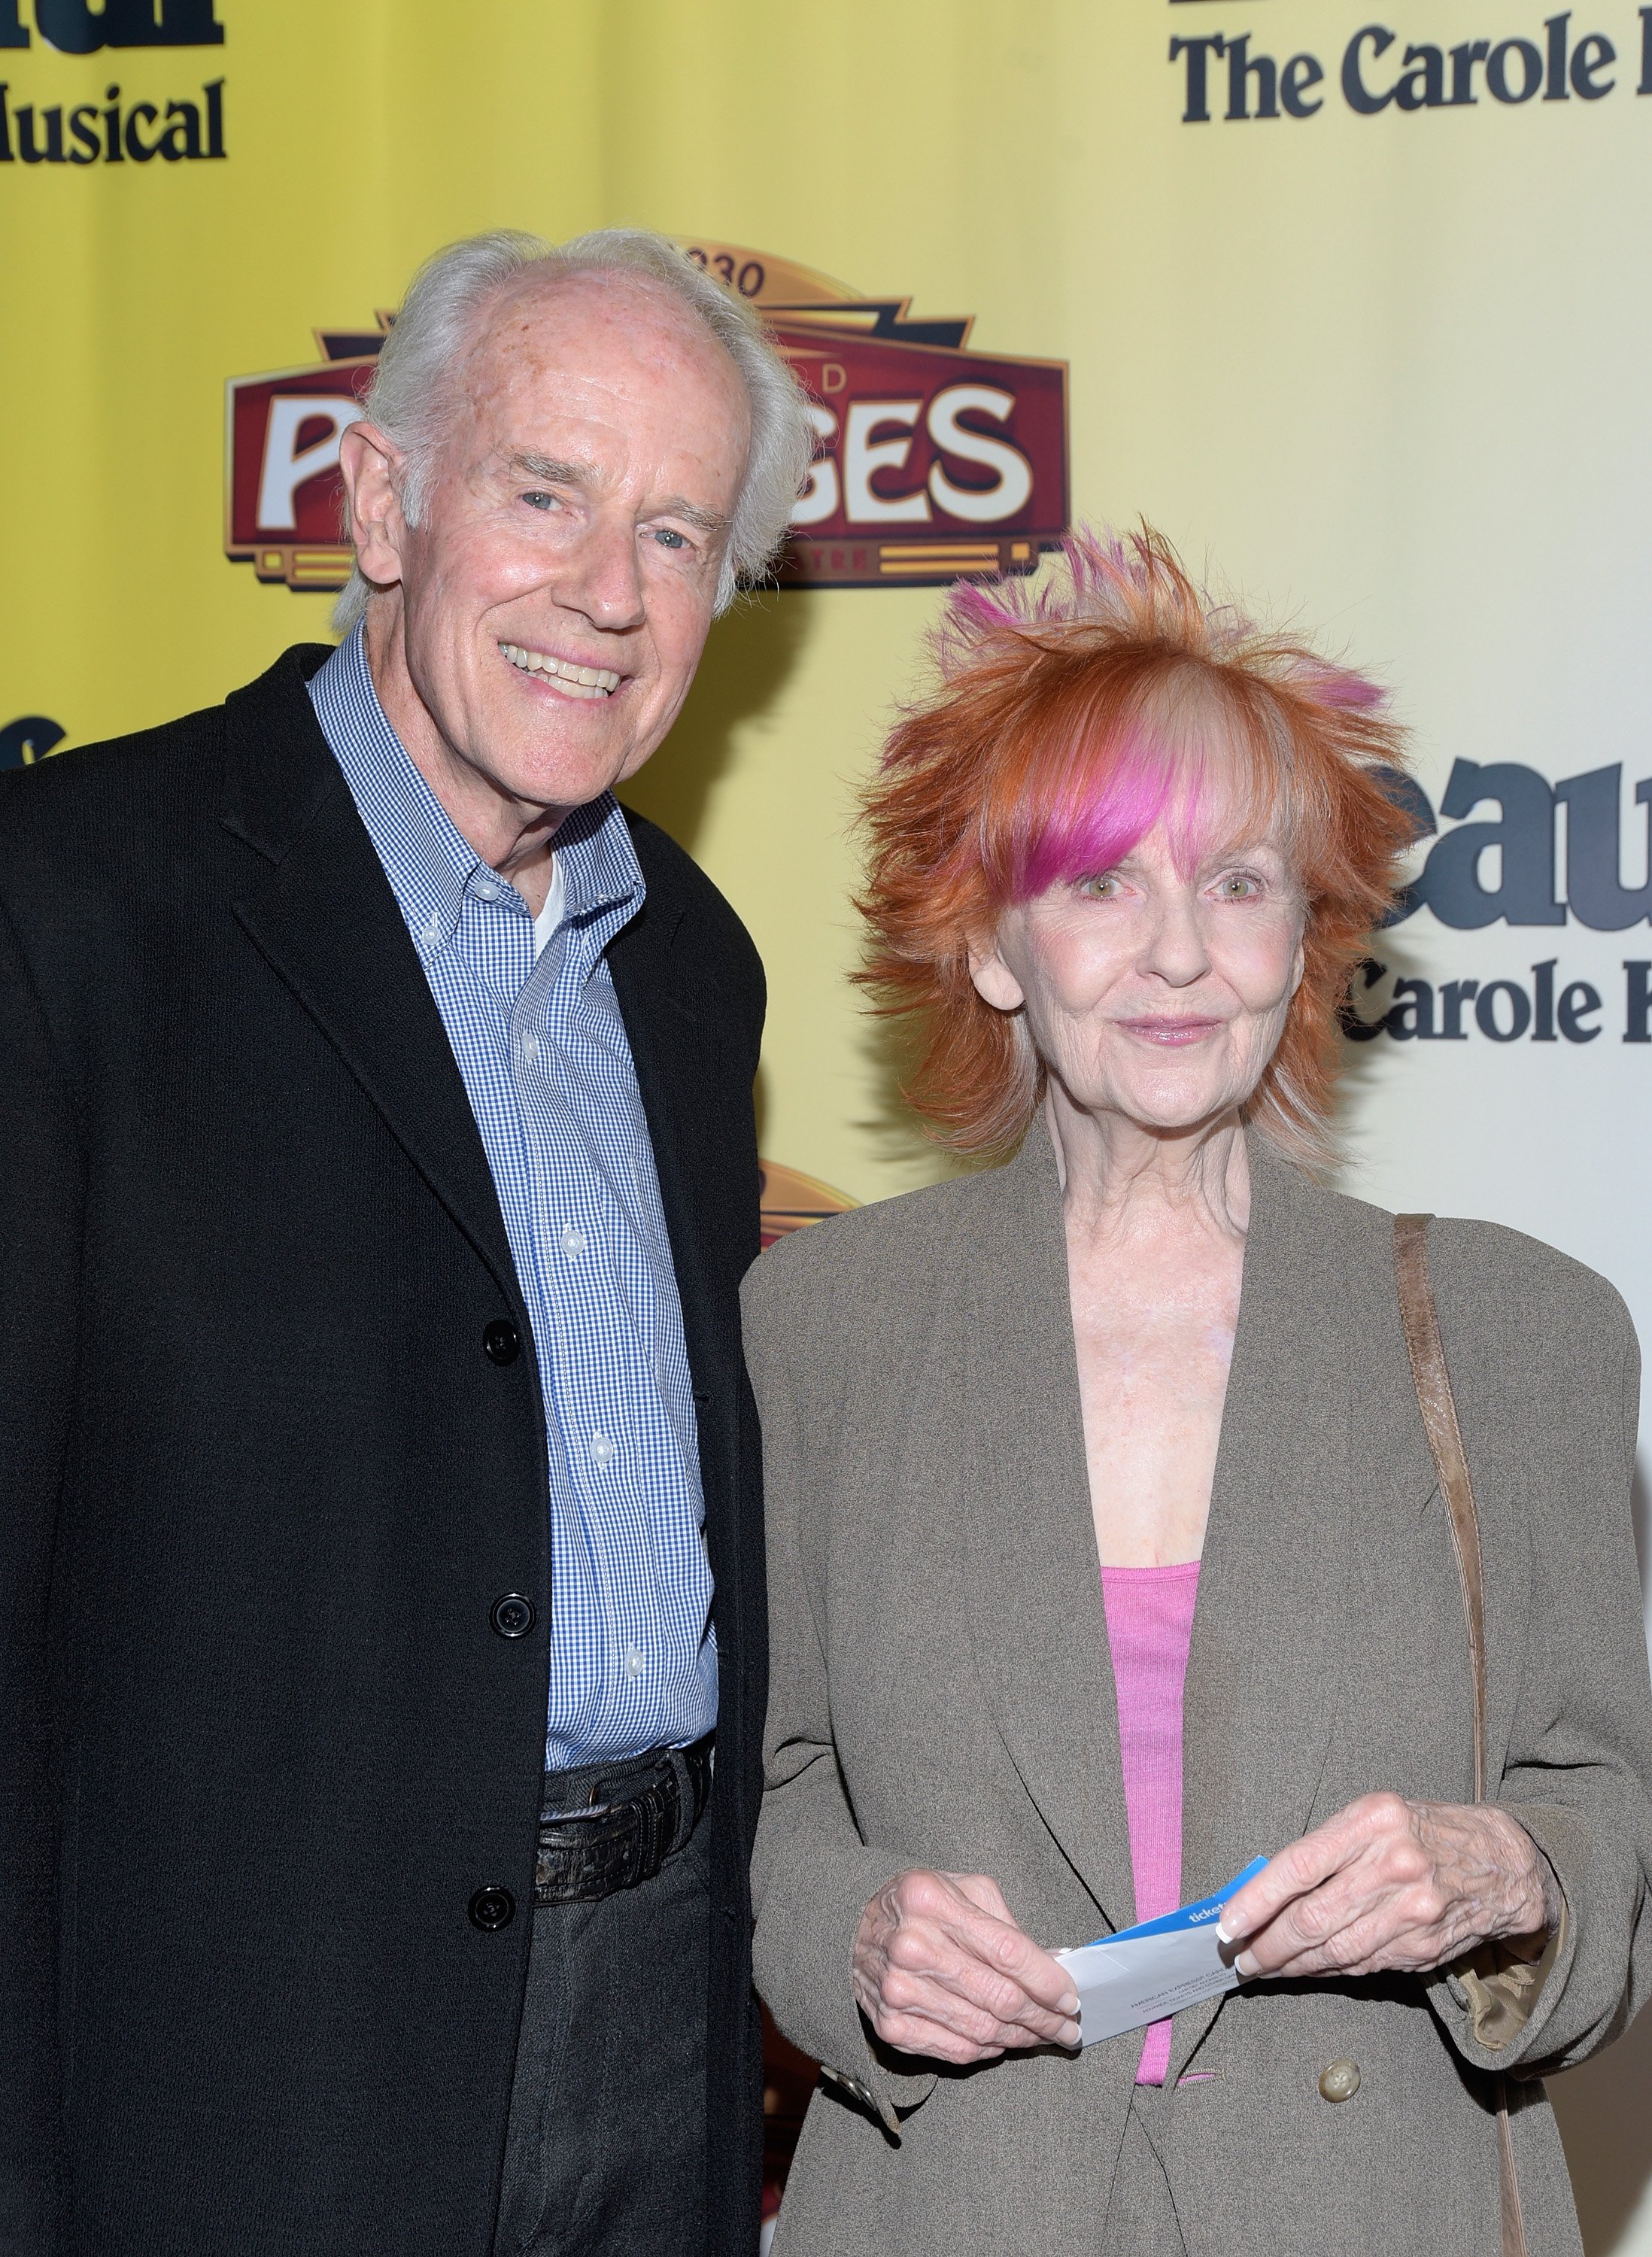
x=511, y=836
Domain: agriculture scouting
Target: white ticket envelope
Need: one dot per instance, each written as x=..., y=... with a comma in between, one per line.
x=1142, y=1974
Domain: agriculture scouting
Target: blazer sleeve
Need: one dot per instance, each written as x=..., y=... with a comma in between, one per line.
x=813, y=1874
x=1577, y=1774
x=40, y=1207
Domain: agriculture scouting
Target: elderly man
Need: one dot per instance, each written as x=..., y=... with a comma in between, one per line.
x=382, y=1568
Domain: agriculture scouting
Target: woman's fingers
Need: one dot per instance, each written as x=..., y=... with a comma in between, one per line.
x=917, y=2034
x=941, y=1969
x=1390, y=1885
x=969, y=1971
x=984, y=1893
x=1304, y=1866
x=1364, y=1885
x=1000, y=1965
x=916, y=2013
x=957, y=1999
x=995, y=1941
x=940, y=1960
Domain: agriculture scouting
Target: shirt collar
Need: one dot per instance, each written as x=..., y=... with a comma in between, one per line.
x=430, y=864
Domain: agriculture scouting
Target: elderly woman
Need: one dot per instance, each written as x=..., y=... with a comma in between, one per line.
x=1108, y=1546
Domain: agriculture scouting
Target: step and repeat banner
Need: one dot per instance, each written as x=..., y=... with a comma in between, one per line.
x=1350, y=297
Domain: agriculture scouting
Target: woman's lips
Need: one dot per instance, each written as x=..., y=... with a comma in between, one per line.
x=1171, y=1034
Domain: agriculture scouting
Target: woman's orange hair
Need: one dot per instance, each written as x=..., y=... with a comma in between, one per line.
x=1073, y=715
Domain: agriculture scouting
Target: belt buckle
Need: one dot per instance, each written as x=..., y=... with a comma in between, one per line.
x=620, y=1855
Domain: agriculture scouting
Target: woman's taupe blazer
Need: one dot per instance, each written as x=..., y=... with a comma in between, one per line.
x=943, y=1696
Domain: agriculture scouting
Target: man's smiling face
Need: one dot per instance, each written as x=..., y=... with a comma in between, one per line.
x=554, y=598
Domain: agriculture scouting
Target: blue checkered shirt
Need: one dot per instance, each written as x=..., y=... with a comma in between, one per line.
x=542, y=1048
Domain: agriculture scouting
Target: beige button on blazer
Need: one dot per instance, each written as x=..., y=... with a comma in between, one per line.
x=943, y=1696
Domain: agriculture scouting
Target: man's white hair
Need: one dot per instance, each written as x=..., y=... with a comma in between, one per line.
x=443, y=315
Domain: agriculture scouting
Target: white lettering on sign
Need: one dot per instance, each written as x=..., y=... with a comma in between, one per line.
x=286, y=465
x=864, y=456
x=818, y=500
x=978, y=505
x=876, y=435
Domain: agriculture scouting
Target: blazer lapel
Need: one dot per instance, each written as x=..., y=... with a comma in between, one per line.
x=323, y=915
x=1263, y=1681
x=1031, y=1563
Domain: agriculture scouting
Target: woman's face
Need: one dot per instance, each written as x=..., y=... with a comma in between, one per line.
x=1151, y=993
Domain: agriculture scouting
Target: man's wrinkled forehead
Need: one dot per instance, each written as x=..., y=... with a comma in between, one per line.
x=562, y=338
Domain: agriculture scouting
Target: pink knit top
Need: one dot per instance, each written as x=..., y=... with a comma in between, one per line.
x=1149, y=1628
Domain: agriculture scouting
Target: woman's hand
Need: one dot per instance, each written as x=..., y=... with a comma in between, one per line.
x=941, y=1969
x=1392, y=1884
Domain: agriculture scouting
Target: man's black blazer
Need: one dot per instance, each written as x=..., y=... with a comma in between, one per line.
x=260, y=1487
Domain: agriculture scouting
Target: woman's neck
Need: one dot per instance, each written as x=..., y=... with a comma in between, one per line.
x=1156, y=1225
x=1120, y=1177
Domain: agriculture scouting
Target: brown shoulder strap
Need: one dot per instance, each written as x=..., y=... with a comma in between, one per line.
x=1438, y=1406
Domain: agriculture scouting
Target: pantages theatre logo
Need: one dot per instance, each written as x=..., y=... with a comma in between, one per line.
x=931, y=461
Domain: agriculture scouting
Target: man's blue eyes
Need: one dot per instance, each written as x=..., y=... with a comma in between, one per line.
x=665, y=535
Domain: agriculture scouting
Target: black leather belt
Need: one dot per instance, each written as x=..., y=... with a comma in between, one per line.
x=608, y=1825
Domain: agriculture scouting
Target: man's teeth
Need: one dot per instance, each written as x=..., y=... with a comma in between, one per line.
x=575, y=680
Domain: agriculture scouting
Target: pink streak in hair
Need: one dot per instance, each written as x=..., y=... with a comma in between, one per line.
x=1099, y=565
x=1340, y=685
x=1086, y=819
x=1094, y=820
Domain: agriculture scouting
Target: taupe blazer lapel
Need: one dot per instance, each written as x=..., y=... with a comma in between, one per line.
x=1263, y=1682
x=1031, y=1563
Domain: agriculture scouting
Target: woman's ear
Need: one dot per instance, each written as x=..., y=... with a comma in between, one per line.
x=994, y=982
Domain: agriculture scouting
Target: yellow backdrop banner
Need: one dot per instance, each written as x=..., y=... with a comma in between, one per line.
x=1352, y=302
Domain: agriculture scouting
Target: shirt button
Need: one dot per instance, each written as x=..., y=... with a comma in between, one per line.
x=604, y=1450
x=633, y=1661
x=485, y=889
x=571, y=1240
x=530, y=1048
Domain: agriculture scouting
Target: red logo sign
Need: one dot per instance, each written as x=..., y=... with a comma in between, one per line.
x=931, y=461
x=283, y=494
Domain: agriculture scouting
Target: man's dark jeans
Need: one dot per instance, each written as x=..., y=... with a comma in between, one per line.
x=606, y=2150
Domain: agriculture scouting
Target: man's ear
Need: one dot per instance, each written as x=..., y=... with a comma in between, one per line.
x=994, y=982
x=378, y=528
